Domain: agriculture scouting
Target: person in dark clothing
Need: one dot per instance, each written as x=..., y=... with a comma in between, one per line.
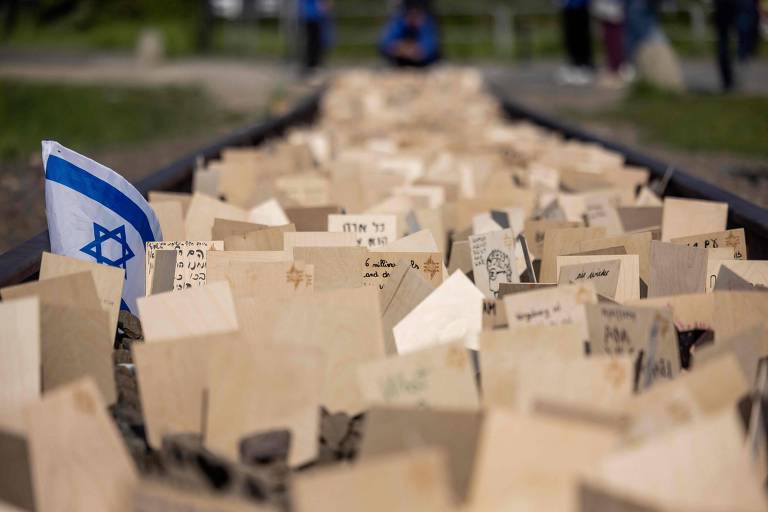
x=642, y=24
x=577, y=36
x=315, y=20
x=411, y=36
x=748, y=26
x=729, y=17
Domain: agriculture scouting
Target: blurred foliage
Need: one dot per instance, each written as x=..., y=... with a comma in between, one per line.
x=84, y=116
x=736, y=124
x=85, y=13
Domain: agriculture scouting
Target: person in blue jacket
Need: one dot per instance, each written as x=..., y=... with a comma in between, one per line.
x=411, y=36
x=315, y=17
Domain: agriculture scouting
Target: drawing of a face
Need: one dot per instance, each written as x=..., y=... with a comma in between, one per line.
x=499, y=270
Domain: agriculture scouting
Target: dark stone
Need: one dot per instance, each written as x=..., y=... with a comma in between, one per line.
x=687, y=340
x=265, y=447
x=186, y=462
x=215, y=470
x=334, y=428
x=129, y=326
x=123, y=356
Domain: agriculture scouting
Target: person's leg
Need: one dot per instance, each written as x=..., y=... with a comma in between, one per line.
x=723, y=29
x=570, y=35
x=614, y=45
x=748, y=29
x=313, y=44
x=583, y=38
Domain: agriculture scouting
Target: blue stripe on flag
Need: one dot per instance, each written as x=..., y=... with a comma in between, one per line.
x=71, y=176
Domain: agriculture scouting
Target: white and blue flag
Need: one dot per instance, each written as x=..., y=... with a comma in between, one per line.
x=94, y=214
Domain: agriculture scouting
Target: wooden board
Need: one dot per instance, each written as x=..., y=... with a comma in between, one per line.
x=753, y=271
x=420, y=241
x=269, y=212
x=194, y=312
x=688, y=217
x=676, y=270
x=711, y=387
x=223, y=228
x=154, y=497
x=690, y=312
x=733, y=311
x=267, y=239
x=416, y=480
x=628, y=286
x=461, y=258
x=637, y=243
x=202, y=212
x=692, y=469
x=494, y=315
x=493, y=261
x=534, y=233
x=16, y=492
x=222, y=259
x=78, y=459
x=281, y=278
x=733, y=238
x=255, y=388
x=172, y=378
x=617, y=330
x=402, y=292
x=400, y=430
x=641, y=218
x=164, y=275
x=503, y=349
x=73, y=346
x=170, y=214
x=601, y=212
x=437, y=377
x=311, y=219
x=191, y=259
x=335, y=267
x=562, y=241
x=452, y=312
x=748, y=346
x=66, y=290
x=378, y=267
x=346, y=324
x=516, y=451
x=108, y=280
x=317, y=239
x=182, y=198
x=19, y=353
x=551, y=306
x=603, y=274
x=370, y=230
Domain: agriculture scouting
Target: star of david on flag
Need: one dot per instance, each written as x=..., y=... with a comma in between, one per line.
x=94, y=214
x=101, y=235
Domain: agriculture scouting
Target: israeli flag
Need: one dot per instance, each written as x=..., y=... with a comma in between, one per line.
x=94, y=214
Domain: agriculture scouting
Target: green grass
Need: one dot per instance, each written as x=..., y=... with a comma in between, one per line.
x=736, y=124
x=114, y=36
x=97, y=117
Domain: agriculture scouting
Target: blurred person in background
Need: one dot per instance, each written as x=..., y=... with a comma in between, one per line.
x=740, y=17
x=315, y=17
x=411, y=36
x=749, y=30
x=610, y=14
x=577, y=36
x=641, y=23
